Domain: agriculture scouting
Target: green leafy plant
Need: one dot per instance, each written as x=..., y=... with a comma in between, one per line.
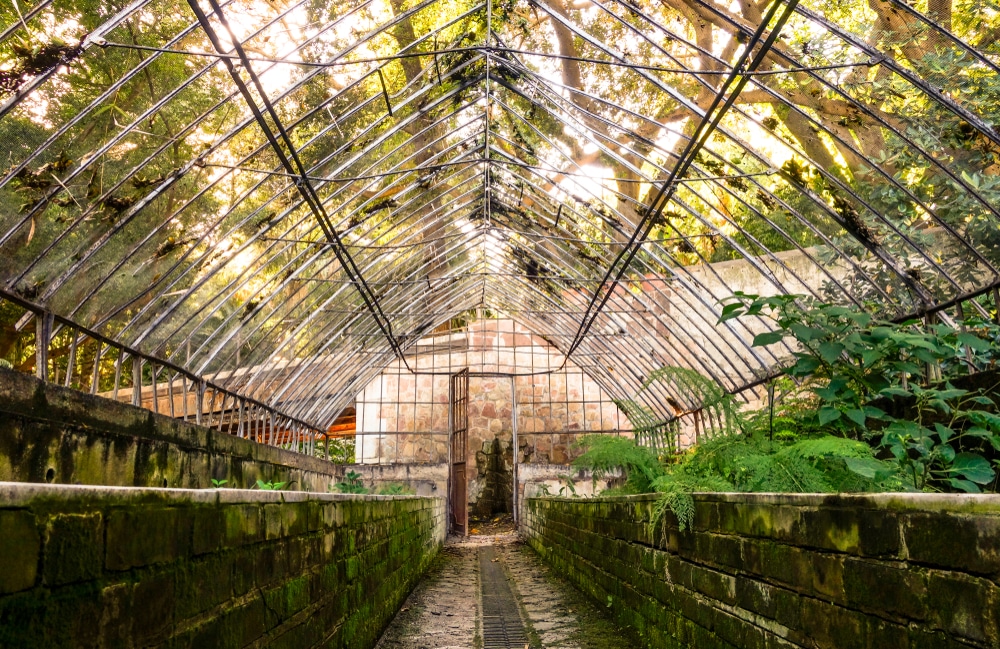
x=826, y=426
x=855, y=365
x=270, y=486
x=619, y=458
x=395, y=489
x=928, y=447
x=351, y=484
x=569, y=485
x=218, y=484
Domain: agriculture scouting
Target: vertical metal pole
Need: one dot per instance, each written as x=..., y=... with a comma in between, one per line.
x=156, y=397
x=451, y=435
x=517, y=452
x=43, y=335
x=136, y=381
x=933, y=370
x=118, y=372
x=199, y=402
x=170, y=394
x=969, y=357
x=71, y=362
x=95, y=379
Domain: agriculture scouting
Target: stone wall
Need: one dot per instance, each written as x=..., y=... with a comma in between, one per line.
x=886, y=571
x=112, y=567
x=53, y=434
x=57, y=435
x=423, y=479
x=402, y=418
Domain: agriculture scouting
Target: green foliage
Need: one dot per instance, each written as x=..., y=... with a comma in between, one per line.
x=341, y=451
x=690, y=391
x=351, y=484
x=394, y=489
x=825, y=428
x=609, y=456
x=933, y=448
x=569, y=485
x=853, y=364
x=271, y=486
x=218, y=484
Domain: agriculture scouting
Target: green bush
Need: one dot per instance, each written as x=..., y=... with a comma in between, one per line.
x=825, y=428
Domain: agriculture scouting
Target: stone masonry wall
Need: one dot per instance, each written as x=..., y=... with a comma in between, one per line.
x=403, y=417
x=886, y=571
x=54, y=434
x=112, y=567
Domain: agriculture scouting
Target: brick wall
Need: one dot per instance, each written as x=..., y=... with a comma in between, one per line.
x=886, y=571
x=112, y=567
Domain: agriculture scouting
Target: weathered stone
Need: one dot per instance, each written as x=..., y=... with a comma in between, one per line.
x=20, y=546
x=146, y=588
x=784, y=571
x=153, y=608
x=74, y=548
x=146, y=536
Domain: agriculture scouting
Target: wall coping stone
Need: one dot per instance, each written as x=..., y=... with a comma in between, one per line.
x=14, y=494
x=956, y=503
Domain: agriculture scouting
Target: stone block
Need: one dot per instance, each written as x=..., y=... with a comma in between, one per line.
x=887, y=589
x=74, y=548
x=20, y=547
x=153, y=608
x=144, y=536
x=971, y=543
x=854, y=530
x=964, y=606
x=115, y=621
x=205, y=583
x=208, y=530
x=242, y=524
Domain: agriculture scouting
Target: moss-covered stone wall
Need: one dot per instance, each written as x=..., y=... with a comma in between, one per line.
x=112, y=567
x=57, y=435
x=886, y=571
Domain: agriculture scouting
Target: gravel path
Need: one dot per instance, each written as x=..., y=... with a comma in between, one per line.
x=444, y=611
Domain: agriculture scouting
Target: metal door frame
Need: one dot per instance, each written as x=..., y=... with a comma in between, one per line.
x=458, y=446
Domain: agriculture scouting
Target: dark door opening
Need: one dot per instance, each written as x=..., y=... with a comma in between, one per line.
x=458, y=475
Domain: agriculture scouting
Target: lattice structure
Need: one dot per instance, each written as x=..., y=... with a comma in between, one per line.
x=273, y=201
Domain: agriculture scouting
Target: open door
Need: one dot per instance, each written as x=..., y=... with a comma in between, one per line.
x=457, y=476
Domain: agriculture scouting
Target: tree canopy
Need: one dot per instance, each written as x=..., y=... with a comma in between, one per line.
x=315, y=185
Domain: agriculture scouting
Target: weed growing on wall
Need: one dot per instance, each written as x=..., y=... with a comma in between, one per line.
x=351, y=484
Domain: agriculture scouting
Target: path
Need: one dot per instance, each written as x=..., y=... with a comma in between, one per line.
x=524, y=604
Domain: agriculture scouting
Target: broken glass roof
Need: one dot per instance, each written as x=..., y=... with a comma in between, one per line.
x=285, y=196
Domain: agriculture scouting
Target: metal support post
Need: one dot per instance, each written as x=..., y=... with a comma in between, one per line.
x=43, y=336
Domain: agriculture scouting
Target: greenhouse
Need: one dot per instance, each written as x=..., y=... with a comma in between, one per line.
x=577, y=324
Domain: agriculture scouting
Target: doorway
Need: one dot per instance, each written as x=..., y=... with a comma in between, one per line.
x=458, y=501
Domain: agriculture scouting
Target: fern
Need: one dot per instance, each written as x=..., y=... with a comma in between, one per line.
x=606, y=455
x=677, y=501
x=689, y=391
x=698, y=391
x=651, y=431
x=737, y=463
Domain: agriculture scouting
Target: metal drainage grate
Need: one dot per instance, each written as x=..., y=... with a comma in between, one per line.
x=502, y=626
